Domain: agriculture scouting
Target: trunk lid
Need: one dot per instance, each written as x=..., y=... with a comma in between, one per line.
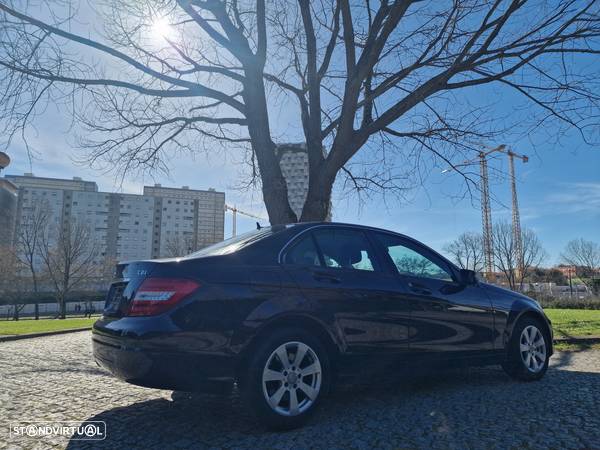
x=128, y=277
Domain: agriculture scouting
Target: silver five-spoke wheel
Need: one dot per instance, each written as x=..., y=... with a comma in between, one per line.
x=532, y=348
x=291, y=378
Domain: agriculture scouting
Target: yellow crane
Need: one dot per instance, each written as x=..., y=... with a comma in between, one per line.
x=235, y=212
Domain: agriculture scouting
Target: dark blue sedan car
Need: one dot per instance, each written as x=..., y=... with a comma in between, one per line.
x=284, y=311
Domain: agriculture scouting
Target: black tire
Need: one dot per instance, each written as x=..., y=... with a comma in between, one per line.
x=253, y=390
x=515, y=364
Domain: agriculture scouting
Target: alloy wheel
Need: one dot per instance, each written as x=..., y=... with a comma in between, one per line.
x=532, y=347
x=291, y=378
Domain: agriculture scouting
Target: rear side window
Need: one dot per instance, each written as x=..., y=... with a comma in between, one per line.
x=346, y=249
x=304, y=253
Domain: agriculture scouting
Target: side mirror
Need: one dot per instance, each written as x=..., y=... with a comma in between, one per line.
x=468, y=277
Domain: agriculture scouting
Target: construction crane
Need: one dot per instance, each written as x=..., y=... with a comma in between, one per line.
x=235, y=212
x=486, y=211
x=486, y=217
x=516, y=217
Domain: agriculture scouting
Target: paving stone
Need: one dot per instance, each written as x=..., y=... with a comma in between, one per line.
x=55, y=379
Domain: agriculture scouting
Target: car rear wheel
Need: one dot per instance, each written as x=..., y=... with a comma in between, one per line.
x=528, y=353
x=287, y=377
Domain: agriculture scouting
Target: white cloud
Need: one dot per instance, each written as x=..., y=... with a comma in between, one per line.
x=571, y=198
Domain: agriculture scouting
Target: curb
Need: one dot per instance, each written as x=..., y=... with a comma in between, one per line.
x=578, y=340
x=17, y=337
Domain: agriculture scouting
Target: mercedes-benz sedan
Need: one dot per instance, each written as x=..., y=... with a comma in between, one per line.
x=284, y=311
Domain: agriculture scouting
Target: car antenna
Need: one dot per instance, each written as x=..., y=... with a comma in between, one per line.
x=258, y=227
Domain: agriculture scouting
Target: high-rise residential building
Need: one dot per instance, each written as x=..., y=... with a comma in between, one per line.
x=8, y=211
x=187, y=218
x=293, y=160
x=162, y=222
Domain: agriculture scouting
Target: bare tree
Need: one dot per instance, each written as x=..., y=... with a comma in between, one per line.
x=373, y=83
x=467, y=251
x=32, y=226
x=585, y=256
x=179, y=245
x=505, y=256
x=11, y=280
x=106, y=271
x=69, y=253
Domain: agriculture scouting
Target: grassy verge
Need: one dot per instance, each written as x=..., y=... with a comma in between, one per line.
x=577, y=347
x=43, y=325
x=574, y=322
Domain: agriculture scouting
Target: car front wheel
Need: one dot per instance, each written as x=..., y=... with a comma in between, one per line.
x=528, y=353
x=287, y=377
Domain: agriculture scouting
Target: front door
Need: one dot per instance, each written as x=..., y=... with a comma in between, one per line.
x=446, y=315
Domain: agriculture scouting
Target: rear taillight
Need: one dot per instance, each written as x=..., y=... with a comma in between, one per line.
x=156, y=295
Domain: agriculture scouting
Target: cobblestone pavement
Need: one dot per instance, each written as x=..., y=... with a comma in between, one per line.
x=55, y=379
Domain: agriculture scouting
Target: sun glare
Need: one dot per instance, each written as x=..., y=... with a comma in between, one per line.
x=162, y=29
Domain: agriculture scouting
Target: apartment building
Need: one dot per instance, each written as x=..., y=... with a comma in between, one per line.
x=8, y=210
x=127, y=226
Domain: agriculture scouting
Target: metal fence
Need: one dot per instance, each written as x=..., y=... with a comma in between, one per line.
x=51, y=309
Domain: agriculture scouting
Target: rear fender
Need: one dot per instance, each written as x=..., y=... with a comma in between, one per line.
x=332, y=341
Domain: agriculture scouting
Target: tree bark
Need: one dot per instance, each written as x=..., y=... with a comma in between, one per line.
x=35, y=292
x=274, y=186
x=317, y=207
x=62, y=305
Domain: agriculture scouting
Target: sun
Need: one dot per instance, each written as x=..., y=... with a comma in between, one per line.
x=161, y=28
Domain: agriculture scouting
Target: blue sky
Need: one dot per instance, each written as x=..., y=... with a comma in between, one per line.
x=559, y=192
x=559, y=188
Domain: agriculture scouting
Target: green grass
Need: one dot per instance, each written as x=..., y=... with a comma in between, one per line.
x=566, y=323
x=38, y=326
x=574, y=322
x=575, y=347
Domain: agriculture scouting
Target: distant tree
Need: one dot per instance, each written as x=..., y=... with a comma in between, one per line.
x=505, y=257
x=467, y=251
x=33, y=224
x=106, y=271
x=376, y=88
x=585, y=256
x=414, y=265
x=179, y=245
x=11, y=280
x=68, y=252
x=541, y=275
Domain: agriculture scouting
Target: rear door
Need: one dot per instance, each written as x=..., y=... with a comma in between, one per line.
x=340, y=273
x=446, y=315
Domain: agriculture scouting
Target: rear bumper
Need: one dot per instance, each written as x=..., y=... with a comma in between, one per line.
x=138, y=362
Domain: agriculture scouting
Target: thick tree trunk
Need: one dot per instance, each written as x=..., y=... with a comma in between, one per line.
x=35, y=291
x=317, y=207
x=274, y=187
x=62, y=307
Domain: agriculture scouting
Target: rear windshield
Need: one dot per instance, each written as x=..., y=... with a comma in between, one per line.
x=233, y=244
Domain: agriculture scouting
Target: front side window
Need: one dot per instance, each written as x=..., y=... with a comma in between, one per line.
x=410, y=262
x=346, y=249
